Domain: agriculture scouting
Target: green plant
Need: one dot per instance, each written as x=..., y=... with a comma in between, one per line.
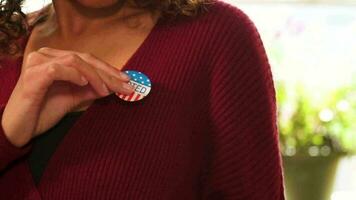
x=316, y=124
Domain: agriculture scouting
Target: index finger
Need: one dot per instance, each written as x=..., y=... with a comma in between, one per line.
x=87, y=57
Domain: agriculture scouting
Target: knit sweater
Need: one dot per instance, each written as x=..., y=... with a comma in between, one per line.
x=45, y=145
x=207, y=130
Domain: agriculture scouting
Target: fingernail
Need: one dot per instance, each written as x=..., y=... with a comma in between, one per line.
x=84, y=80
x=129, y=87
x=124, y=76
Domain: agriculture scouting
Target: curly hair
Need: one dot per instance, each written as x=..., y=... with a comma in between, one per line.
x=13, y=23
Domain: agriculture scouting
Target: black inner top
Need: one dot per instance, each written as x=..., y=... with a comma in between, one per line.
x=45, y=145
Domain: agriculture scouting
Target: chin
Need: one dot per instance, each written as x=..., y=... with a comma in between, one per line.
x=98, y=3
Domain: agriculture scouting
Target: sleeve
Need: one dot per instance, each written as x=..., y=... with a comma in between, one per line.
x=9, y=152
x=245, y=158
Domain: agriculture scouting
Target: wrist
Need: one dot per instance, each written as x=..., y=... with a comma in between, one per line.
x=12, y=135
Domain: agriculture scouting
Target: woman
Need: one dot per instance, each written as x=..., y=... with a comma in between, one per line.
x=207, y=130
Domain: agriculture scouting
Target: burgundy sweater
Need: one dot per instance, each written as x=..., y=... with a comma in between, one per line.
x=207, y=130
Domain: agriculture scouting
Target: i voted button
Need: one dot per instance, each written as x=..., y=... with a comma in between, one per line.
x=141, y=83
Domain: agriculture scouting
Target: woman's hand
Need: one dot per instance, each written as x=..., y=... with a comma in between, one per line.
x=52, y=83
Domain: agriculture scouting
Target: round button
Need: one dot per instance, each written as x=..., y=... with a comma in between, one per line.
x=141, y=83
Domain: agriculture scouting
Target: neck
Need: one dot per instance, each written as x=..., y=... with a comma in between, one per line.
x=70, y=18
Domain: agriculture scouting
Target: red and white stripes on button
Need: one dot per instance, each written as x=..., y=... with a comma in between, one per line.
x=132, y=97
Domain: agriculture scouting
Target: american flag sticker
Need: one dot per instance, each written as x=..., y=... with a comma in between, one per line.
x=142, y=86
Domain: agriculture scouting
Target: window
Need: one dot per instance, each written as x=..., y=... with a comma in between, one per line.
x=311, y=43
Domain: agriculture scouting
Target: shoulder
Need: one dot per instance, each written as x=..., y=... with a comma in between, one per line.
x=227, y=17
x=224, y=10
x=35, y=16
x=234, y=42
x=219, y=25
x=232, y=23
x=7, y=61
x=216, y=15
x=226, y=28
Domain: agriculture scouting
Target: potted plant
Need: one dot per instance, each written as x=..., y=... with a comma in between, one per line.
x=315, y=132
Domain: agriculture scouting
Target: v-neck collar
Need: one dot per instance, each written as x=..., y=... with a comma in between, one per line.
x=90, y=111
x=142, y=47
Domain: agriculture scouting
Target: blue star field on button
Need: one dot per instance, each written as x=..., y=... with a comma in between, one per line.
x=139, y=77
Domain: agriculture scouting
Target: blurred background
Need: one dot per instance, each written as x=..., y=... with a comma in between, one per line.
x=311, y=46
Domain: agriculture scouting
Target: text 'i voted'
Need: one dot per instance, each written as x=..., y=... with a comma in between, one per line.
x=141, y=83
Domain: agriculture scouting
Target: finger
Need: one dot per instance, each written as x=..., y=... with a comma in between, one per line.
x=35, y=58
x=116, y=85
x=48, y=74
x=87, y=70
x=57, y=72
x=93, y=60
